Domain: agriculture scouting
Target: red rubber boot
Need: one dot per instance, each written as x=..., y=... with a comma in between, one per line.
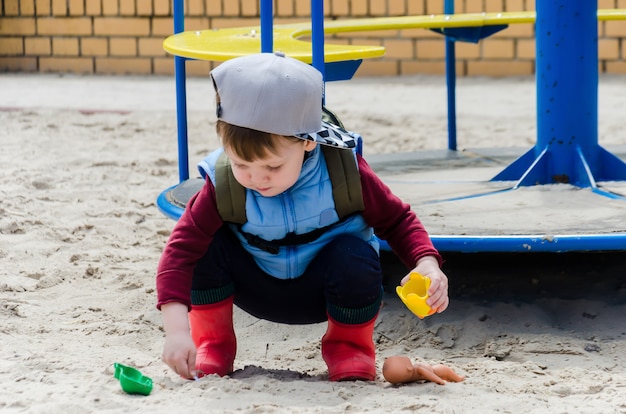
x=349, y=352
x=212, y=332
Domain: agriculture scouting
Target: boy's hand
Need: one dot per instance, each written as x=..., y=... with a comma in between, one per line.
x=438, y=292
x=179, y=353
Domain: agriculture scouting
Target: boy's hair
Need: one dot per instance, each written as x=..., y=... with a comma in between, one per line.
x=248, y=144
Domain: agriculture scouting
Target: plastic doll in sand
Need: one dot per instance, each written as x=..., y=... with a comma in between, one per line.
x=400, y=370
x=292, y=253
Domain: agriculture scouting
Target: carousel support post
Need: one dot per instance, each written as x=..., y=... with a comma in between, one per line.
x=567, y=149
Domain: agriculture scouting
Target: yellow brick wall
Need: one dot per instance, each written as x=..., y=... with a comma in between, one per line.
x=125, y=36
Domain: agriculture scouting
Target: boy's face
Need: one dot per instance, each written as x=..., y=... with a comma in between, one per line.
x=274, y=173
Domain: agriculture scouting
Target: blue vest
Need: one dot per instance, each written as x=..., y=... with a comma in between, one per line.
x=306, y=206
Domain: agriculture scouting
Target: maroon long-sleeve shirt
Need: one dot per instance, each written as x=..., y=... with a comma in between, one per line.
x=391, y=218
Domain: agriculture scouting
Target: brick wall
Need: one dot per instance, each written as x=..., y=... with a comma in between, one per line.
x=125, y=36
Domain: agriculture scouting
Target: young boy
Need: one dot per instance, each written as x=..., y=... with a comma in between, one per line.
x=292, y=258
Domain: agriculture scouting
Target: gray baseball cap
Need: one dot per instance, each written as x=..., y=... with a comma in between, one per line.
x=276, y=94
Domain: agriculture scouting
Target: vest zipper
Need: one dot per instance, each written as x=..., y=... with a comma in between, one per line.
x=290, y=223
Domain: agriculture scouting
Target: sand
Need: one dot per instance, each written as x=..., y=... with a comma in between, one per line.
x=83, y=160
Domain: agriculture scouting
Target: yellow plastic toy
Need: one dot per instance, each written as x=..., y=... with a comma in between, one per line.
x=414, y=294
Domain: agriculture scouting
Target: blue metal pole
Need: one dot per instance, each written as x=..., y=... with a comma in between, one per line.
x=567, y=82
x=267, y=26
x=180, y=76
x=451, y=80
x=567, y=149
x=317, y=34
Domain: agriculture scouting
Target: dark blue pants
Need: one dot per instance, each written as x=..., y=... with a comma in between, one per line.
x=344, y=279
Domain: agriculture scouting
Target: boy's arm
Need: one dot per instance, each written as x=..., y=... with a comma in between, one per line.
x=393, y=220
x=188, y=242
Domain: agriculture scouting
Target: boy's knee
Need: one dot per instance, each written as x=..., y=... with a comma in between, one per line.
x=352, y=260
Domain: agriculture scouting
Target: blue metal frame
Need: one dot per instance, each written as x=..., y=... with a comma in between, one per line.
x=528, y=243
x=267, y=26
x=168, y=209
x=567, y=147
x=181, y=97
x=448, y=8
x=452, y=35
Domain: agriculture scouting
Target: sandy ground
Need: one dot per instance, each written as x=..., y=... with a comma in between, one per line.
x=83, y=160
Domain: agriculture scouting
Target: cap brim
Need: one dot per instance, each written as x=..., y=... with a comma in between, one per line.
x=331, y=135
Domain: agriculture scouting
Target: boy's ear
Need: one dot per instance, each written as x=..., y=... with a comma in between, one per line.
x=309, y=145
